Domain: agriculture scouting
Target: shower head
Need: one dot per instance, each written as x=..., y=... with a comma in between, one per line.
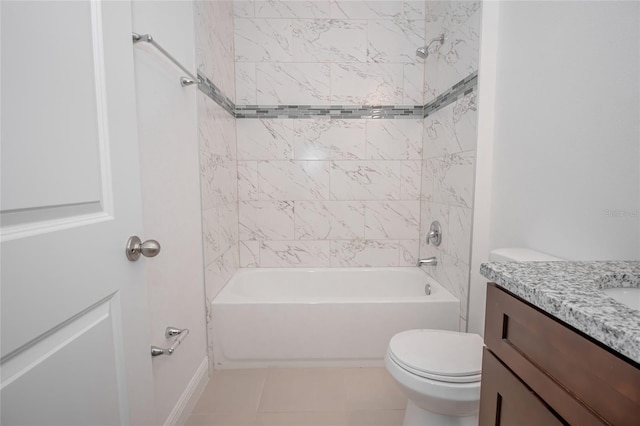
x=423, y=52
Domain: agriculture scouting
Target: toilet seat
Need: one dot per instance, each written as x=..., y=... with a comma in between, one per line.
x=444, y=356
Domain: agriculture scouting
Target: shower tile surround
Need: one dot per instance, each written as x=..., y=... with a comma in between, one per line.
x=452, y=94
x=218, y=153
x=344, y=153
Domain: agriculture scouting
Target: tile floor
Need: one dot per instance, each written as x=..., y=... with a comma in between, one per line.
x=300, y=397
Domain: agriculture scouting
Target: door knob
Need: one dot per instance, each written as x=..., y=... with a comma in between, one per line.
x=135, y=248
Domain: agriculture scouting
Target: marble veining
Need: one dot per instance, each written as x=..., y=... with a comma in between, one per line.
x=258, y=40
x=292, y=9
x=459, y=21
x=394, y=40
x=326, y=40
x=325, y=220
x=329, y=139
x=570, y=291
x=460, y=91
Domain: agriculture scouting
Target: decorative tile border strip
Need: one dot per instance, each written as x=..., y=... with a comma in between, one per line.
x=207, y=87
x=457, y=91
x=329, y=111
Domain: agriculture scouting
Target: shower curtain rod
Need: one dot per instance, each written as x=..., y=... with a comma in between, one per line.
x=184, y=81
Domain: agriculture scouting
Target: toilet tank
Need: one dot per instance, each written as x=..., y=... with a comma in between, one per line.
x=520, y=255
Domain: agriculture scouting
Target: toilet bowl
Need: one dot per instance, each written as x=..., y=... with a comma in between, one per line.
x=440, y=373
x=440, y=370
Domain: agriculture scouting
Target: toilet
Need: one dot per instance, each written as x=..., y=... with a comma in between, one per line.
x=440, y=370
x=440, y=373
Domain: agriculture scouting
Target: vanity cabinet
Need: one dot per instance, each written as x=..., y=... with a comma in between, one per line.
x=538, y=370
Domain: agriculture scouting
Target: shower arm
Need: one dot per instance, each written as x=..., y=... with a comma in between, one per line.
x=433, y=40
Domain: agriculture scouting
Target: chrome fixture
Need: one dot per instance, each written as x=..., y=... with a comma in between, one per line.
x=173, y=331
x=169, y=333
x=435, y=233
x=423, y=52
x=427, y=289
x=184, y=81
x=135, y=248
x=432, y=261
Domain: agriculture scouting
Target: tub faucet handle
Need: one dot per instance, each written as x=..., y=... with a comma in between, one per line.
x=429, y=261
x=435, y=233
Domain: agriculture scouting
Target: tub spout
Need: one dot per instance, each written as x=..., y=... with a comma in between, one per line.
x=429, y=261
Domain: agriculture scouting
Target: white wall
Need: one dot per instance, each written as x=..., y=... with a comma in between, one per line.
x=566, y=148
x=480, y=237
x=167, y=122
x=567, y=130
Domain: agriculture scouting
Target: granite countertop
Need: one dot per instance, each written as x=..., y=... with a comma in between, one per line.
x=570, y=291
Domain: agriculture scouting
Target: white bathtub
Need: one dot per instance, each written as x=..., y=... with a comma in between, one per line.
x=342, y=317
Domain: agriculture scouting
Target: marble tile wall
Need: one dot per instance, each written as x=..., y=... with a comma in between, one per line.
x=449, y=144
x=218, y=153
x=329, y=192
x=215, y=43
x=360, y=192
x=457, y=58
x=329, y=52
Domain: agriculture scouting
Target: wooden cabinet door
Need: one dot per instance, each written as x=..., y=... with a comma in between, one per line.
x=506, y=401
x=582, y=381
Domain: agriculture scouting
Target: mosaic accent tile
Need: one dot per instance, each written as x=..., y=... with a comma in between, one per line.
x=333, y=111
x=457, y=57
x=456, y=92
x=207, y=87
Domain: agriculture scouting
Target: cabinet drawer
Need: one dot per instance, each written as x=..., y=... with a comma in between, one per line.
x=506, y=401
x=580, y=376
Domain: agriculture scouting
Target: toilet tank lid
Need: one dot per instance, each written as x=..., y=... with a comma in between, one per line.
x=520, y=255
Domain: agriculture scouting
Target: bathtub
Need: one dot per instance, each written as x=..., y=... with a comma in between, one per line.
x=337, y=317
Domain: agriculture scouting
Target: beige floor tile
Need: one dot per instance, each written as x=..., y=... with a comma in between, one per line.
x=232, y=391
x=304, y=389
x=373, y=389
x=222, y=419
x=376, y=418
x=303, y=419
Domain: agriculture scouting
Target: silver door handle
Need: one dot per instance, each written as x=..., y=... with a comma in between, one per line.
x=135, y=248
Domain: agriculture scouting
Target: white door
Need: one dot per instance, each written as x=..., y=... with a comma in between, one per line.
x=75, y=346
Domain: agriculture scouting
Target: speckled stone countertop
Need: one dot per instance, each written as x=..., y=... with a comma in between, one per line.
x=570, y=291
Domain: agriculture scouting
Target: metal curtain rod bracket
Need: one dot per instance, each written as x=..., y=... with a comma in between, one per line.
x=184, y=81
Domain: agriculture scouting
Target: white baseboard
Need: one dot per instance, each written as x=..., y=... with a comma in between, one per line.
x=190, y=396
